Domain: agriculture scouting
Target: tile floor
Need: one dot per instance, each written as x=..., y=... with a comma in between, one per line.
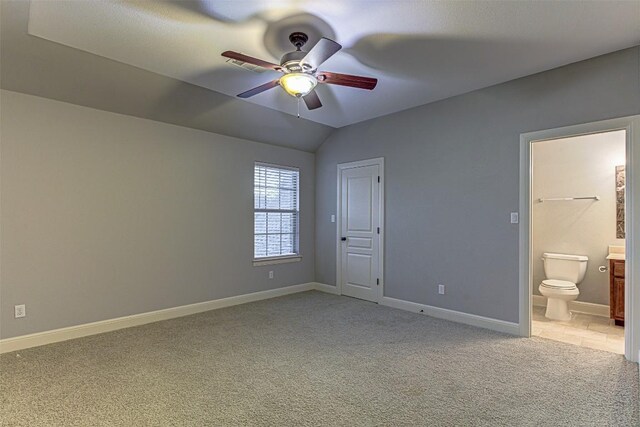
x=583, y=329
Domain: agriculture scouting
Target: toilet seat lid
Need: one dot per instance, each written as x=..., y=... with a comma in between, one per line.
x=558, y=284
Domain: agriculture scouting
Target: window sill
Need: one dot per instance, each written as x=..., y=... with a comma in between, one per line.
x=276, y=260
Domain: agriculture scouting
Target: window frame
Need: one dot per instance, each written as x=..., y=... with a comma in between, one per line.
x=277, y=259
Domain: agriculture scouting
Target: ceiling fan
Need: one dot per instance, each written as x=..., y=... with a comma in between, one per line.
x=301, y=73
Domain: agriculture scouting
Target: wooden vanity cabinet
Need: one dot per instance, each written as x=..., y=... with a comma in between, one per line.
x=616, y=291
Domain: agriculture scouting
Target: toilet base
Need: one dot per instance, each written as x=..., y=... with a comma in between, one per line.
x=558, y=302
x=557, y=309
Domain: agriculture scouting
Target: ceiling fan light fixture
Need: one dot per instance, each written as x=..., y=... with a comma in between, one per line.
x=299, y=71
x=298, y=84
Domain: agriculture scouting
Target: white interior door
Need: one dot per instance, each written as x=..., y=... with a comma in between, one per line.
x=360, y=212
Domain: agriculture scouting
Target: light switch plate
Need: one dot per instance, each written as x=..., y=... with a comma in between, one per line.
x=333, y=218
x=514, y=218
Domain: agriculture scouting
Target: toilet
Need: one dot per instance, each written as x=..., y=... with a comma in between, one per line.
x=563, y=273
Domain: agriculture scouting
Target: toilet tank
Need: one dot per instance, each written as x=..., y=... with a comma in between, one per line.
x=565, y=267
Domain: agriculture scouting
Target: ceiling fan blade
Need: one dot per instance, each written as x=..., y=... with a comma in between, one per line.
x=259, y=89
x=251, y=60
x=347, y=80
x=312, y=101
x=323, y=50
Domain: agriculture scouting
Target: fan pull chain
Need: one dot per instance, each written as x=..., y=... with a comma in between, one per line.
x=298, y=107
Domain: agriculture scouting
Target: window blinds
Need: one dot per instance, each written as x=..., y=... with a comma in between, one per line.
x=276, y=212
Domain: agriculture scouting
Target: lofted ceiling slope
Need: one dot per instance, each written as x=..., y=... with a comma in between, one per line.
x=161, y=59
x=36, y=66
x=421, y=51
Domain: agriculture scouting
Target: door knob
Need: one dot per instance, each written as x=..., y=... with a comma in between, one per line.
x=344, y=239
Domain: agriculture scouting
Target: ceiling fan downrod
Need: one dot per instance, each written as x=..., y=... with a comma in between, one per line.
x=298, y=39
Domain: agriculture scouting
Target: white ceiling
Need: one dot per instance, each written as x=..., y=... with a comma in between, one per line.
x=421, y=51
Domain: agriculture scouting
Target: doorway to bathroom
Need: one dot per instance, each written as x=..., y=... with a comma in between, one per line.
x=576, y=235
x=577, y=226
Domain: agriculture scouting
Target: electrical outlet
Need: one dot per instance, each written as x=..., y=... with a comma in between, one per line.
x=441, y=289
x=20, y=311
x=333, y=218
x=271, y=274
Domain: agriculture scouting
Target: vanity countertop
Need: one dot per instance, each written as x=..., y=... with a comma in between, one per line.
x=616, y=252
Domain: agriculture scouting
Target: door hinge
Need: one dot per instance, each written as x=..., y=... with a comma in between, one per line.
x=378, y=178
x=378, y=230
x=377, y=281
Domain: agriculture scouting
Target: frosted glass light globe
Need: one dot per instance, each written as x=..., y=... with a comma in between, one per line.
x=298, y=84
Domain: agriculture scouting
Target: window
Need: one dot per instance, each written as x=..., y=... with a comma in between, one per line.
x=276, y=211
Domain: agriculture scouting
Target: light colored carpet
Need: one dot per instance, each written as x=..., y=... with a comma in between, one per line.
x=315, y=359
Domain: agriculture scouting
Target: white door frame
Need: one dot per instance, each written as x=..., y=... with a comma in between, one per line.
x=632, y=219
x=361, y=163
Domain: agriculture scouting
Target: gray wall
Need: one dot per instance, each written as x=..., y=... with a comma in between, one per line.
x=574, y=167
x=105, y=215
x=452, y=178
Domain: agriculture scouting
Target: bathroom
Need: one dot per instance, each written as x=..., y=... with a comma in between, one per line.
x=578, y=240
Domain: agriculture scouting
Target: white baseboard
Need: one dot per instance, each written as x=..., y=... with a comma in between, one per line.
x=63, y=334
x=454, y=316
x=326, y=288
x=79, y=331
x=577, y=306
x=441, y=313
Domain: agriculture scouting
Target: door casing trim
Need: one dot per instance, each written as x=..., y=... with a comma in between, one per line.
x=350, y=165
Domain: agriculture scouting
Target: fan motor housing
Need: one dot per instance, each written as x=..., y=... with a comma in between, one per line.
x=291, y=61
